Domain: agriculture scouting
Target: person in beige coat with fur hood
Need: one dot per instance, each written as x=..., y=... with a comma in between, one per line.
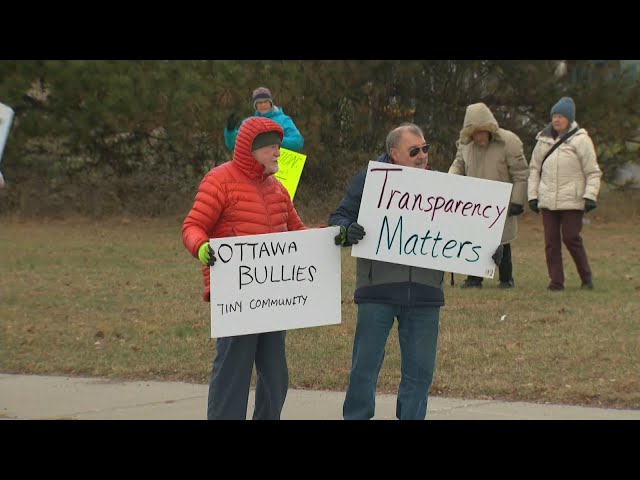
x=564, y=190
x=487, y=151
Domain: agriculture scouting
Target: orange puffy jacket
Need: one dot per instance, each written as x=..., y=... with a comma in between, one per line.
x=237, y=198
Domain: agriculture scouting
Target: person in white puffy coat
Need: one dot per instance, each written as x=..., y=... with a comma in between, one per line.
x=564, y=187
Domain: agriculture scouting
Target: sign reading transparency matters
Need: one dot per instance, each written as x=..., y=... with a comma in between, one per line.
x=277, y=281
x=432, y=219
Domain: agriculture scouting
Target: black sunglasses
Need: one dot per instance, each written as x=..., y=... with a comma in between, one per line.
x=415, y=150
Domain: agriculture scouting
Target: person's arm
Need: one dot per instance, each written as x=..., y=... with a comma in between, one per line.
x=292, y=139
x=231, y=130
x=590, y=168
x=457, y=167
x=534, y=172
x=349, y=207
x=293, y=219
x=207, y=207
x=230, y=138
x=518, y=171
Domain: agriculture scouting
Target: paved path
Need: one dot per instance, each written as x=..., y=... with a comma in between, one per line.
x=43, y=397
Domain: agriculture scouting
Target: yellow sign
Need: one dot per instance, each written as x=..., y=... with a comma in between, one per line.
x=291, y=165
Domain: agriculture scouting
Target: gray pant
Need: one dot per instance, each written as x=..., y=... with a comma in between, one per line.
x=231, y=377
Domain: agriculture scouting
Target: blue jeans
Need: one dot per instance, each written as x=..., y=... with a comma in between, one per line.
x=418, y=338
x=231, y=377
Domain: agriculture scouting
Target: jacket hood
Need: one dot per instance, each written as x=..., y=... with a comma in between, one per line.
x=478, y=117
x=249, y=130
x=547, y=131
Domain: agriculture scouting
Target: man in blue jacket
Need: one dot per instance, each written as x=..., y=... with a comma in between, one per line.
x=385, y=291
x=264, y=107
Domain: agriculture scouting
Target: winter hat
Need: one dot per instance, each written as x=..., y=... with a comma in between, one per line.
x=261, y=93
x=565, y=107
x=265, y=139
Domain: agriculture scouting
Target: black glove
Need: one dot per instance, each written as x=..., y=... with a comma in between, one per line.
x=589, y=205
x=233, y=121
x=497, y=256
x=351, y=235
x=515, y=209
x=355, y=233
x=533, y=205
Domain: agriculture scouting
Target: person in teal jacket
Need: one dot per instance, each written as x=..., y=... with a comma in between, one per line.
x=264, y=106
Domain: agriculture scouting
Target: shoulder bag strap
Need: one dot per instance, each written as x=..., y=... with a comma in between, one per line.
x=556, y=145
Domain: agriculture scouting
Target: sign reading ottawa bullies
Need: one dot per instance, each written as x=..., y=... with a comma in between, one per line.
x=277, y=281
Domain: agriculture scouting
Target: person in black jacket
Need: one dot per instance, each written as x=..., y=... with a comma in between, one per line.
x=385, y=291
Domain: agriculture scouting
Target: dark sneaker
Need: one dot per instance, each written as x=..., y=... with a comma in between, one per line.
x=471, y=284
x=555, y=288
x=508, y=284
x=587, y=285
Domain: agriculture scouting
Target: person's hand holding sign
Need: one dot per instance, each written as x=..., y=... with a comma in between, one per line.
x=497, y=256
x=206, y=255
x=351, y=235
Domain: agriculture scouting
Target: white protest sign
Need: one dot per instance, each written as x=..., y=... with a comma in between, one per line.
x=6, y=116
x=277, y=281
x=431, y=219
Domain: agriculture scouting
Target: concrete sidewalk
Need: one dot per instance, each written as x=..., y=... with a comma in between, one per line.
x=41, y=397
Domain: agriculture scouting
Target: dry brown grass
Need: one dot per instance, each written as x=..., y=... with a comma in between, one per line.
x=120, y=298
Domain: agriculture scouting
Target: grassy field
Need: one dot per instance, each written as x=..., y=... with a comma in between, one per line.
x=120, y=298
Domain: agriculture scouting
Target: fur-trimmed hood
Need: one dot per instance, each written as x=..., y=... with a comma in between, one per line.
x=478, y=117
